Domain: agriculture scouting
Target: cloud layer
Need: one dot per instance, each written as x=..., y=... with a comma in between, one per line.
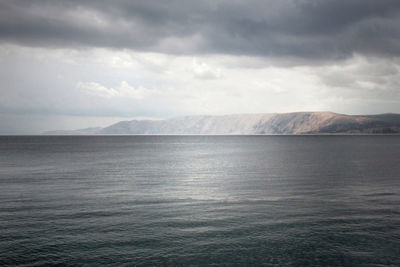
x=303, y=29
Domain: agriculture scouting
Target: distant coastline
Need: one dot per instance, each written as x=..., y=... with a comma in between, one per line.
x=298, y=123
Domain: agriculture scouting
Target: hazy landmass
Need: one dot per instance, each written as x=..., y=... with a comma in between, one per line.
x=86, y=131
x=283, y=123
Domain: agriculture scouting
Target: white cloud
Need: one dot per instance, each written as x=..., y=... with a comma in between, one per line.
x=123, y=90
x=202, y=70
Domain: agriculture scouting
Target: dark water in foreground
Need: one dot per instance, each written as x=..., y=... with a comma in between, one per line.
x=200, y=200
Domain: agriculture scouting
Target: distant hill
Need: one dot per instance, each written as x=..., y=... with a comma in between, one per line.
x=86, y=131
x=282, y=123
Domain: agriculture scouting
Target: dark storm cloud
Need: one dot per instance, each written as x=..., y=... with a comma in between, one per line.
x=314, y=29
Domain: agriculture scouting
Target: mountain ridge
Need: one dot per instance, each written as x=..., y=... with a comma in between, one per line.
x=260, y=123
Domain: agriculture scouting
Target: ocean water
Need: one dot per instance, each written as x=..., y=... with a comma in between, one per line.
x=200, y=200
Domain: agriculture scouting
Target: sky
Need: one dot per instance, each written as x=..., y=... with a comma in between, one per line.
x=77, y=64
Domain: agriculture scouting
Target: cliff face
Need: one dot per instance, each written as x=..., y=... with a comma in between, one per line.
x=288, y=123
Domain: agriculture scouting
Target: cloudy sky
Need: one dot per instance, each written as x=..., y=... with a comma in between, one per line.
x=74, y=64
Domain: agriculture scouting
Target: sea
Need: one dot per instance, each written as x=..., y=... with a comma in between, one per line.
x=317, y=200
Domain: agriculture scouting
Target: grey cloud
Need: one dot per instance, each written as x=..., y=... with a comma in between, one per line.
x=366, y=79
x=304, y=29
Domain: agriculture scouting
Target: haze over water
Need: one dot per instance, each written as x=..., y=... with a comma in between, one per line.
x=200, y=200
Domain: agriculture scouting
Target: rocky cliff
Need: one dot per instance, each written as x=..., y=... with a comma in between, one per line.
x=284, y=123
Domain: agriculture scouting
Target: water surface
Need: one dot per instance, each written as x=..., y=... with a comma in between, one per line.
x=200, y=200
